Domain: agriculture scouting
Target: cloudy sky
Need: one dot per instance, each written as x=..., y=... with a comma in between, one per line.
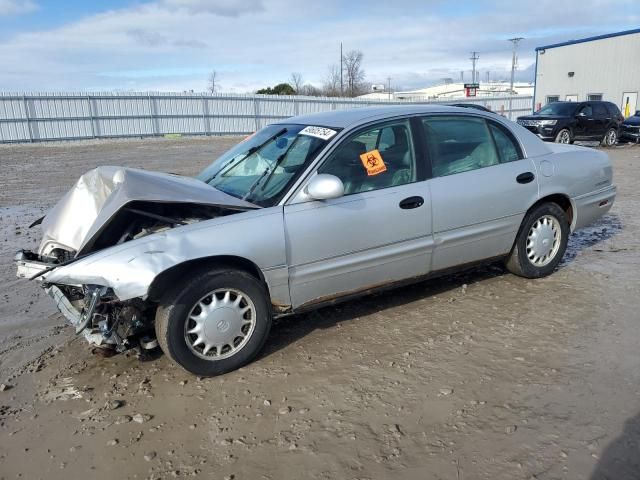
x=173, y=45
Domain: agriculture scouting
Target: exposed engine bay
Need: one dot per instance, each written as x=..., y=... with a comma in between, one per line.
x=108, y=207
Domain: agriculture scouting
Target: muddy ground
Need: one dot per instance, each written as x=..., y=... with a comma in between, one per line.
x=480, y=375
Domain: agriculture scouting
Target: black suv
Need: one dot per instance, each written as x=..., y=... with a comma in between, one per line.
x=564, y=122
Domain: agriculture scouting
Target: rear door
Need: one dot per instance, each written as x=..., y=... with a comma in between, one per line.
x=481, y=188
x=602, y=119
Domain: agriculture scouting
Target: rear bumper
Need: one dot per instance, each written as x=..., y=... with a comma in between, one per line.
x=593, y=205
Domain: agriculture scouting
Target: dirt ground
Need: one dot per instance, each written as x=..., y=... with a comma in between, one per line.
x=482, y=375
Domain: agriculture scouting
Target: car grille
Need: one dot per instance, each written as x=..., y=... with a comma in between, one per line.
x=528, y=123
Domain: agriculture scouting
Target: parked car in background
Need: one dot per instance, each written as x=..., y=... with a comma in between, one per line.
x=630, y=129
x=307, y=212
x=565, y=122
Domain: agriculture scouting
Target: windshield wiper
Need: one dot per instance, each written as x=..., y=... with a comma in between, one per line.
x=270, y=169
x=256, y=148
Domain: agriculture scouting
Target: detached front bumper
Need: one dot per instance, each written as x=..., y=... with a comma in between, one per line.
x=28, y=267
x=71, y=313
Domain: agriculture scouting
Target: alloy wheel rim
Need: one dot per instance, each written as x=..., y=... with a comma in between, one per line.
x=564, y=137
x=543, y=240
x=611, y=138
x=220, y=324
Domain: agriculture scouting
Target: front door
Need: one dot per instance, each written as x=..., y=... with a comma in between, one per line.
x=379, y=232
x=629, y=104
x=481, y=188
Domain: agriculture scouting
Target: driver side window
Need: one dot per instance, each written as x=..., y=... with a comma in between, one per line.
x=379, y=157
x=586, y=111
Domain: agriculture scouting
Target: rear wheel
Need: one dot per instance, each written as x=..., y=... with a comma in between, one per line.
x=541, y=242
x=214, y=324
x=563, y=136
x=610, y=138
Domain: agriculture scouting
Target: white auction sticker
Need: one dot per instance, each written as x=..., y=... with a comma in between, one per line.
x=318, y=132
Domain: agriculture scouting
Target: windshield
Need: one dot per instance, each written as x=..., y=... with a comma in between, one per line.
x=260, y=168
x=561, y=109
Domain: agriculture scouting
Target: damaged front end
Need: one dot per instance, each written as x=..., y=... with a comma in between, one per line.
x=94, y=310
x=101, y=295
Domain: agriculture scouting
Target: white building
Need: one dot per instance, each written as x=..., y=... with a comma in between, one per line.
x=606, y=67
x=453, y=91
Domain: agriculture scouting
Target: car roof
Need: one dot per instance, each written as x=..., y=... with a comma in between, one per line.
x=357, y=116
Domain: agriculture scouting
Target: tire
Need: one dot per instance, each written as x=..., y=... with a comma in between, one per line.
x=610, y=138
x=564, y=136
x=522, y=261
x=179, y=309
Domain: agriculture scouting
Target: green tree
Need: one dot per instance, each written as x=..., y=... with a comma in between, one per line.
x=280, y=89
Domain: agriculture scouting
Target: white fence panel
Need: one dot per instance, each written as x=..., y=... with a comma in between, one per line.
x=32, y=117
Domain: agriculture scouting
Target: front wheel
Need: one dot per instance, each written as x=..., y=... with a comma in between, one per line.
x=563, y=136
x=215, y=323
x=610, y=138
x=541, y=242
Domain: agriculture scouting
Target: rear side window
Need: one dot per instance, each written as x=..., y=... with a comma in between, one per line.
x=613, y=109
x=458, y=144
x=599, y=110
x=508, y=148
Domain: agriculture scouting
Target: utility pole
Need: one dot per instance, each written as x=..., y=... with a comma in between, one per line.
x=514, y=64
x=514, y=60
x=474, y=58
x=389, y=88
x=341, y=85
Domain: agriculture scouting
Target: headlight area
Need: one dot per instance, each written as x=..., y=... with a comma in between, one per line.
x=104, y=320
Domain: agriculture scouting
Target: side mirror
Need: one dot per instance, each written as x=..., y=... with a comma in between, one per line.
x=324, y=186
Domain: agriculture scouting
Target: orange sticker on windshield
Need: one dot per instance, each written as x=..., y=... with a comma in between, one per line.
x=373, y=162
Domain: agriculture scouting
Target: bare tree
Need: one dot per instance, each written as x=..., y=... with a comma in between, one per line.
x=213, y=82
x=331, y=87
x=354, y=74
x=296, y=82
x=310, y=90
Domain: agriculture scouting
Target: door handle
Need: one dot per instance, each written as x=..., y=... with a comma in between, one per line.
x=411, y=202
x=525, y=177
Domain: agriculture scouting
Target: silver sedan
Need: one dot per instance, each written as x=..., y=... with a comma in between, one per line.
x=303, y=213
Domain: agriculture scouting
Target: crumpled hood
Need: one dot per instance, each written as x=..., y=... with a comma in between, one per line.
x=102, y=192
